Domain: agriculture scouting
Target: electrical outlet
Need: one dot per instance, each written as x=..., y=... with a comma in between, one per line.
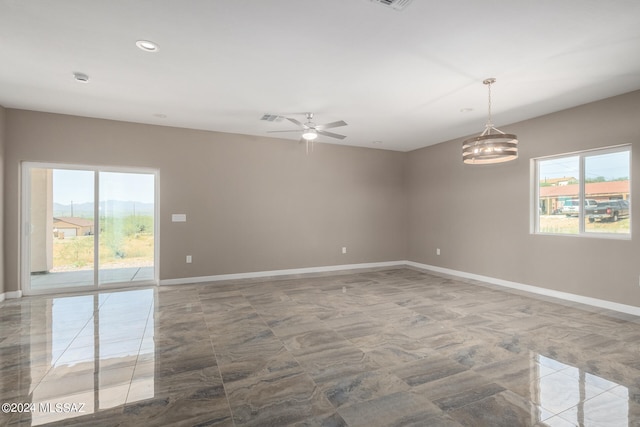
x=344, y=249
x=437, y=251
x=188, y=259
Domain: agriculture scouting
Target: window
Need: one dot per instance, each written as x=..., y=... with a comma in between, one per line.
x=586, y=193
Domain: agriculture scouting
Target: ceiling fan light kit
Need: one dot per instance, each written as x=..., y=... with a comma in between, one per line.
x=492, y=145
x=310, y=134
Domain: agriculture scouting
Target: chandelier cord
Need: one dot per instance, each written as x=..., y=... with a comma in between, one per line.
x=489, y=105
x=489, y=126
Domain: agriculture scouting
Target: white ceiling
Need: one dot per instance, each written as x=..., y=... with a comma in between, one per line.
x=401, y=78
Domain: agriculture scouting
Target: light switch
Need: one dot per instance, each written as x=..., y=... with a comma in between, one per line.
x=178, y=217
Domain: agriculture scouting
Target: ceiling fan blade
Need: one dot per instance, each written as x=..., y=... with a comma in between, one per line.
x=294, y=121
x=274, y=131
x=330, y=134
x=332, y=125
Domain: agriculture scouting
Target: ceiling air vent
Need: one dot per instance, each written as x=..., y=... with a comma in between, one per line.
x=394, y=4
x=272, y=118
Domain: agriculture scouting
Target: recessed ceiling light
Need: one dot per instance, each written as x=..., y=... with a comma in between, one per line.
x=147, y=46
x=160, y=116
x=466, y=110
x=81, y=77
x=376, y=142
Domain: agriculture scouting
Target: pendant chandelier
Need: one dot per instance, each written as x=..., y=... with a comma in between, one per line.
x=492, y=145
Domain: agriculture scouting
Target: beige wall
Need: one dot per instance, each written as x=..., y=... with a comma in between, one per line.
x=252, y=204
x=2, y=133
x=479, y=215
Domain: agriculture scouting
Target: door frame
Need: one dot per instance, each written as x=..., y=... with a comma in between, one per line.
x=25, y=226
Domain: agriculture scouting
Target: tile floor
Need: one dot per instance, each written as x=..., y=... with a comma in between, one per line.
x=67, y=279
x=395, y=347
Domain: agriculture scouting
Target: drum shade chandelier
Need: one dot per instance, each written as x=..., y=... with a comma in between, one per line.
x=492, y=145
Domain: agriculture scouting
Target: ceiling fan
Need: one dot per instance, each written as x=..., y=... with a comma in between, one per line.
x=310, y=130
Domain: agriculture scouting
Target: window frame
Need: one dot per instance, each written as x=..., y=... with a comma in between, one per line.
x=582, y=156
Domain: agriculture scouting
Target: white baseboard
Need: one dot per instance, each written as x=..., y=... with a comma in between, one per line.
x=623, y=308
x=595, y=302
x=10, y=295
x=280, y=273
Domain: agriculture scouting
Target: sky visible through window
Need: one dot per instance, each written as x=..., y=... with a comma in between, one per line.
x=77, y=186
x=610, y=166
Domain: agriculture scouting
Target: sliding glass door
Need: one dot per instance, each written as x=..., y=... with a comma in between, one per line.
x=87, y=227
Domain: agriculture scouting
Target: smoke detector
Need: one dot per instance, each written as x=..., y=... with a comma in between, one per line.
x=394, y=4
x=81, y=77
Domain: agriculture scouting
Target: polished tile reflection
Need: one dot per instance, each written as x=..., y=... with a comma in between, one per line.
x=567, y=393
x=81, y=350
x=390, y=347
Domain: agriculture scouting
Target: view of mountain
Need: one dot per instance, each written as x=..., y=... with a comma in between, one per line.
x=116, y=208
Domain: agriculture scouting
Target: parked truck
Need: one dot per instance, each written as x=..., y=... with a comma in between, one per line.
x=610, y=210
x=572, y=207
